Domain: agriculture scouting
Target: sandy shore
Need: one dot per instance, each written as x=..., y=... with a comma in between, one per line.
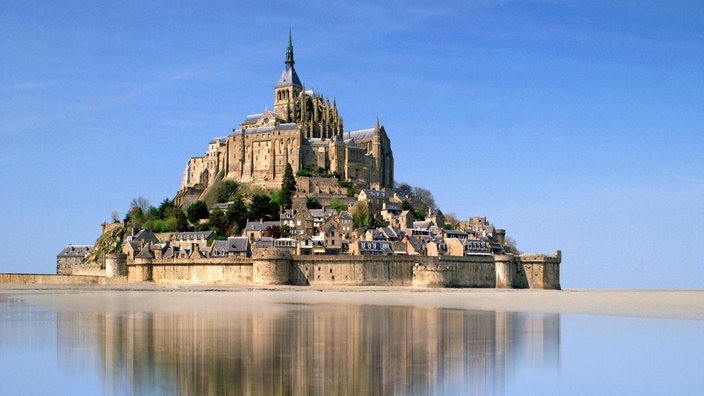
x=655, y=303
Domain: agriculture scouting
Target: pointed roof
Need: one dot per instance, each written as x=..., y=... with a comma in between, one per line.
x=289, y=76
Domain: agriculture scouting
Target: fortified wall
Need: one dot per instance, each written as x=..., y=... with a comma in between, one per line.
x=279, y=267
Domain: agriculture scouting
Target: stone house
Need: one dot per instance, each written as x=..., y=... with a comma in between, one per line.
x=186, y=240
x=332, y=236
x=320, y=216
x=134, y=243
x=300, y=222
x=371, y=248
x=436, y=216
x=70, y=256
x=374, y=199
x=414, y=245
x=255, y=230
x=454, y=234
x=346, y=223
x=232, y=247
x=466, y=247
x=287, y=244
x=436, y=247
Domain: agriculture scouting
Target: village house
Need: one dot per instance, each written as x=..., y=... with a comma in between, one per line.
x=232, y=247
x=255, y=230
x=371, y=248
x=70, y=256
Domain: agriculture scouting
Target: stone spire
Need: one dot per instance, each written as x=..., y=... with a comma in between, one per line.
x=289, y=76
x=289, y=50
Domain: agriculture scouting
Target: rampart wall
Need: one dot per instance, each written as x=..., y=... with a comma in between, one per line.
x=276, y=267
x=44, y=279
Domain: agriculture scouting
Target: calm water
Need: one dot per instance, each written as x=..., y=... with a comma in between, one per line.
x=281, y=348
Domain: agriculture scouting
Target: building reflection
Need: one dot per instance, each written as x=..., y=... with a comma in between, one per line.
x=312, y=349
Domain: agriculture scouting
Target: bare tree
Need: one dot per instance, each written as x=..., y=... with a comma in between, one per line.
x=141, y=203
x=511, y=246
x=424, y=197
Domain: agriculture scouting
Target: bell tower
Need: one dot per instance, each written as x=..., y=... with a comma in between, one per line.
x=288, y=87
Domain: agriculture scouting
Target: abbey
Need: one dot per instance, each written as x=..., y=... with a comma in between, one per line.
x=302, y=129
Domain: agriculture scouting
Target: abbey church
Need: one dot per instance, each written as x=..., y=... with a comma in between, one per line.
x=302, y=129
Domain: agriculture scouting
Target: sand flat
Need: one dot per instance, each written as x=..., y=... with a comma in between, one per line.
x=653, y=303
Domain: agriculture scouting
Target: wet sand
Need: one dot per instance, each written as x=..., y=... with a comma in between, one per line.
x=648, y=303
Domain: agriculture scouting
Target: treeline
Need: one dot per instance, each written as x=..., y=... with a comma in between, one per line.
x=243, y=205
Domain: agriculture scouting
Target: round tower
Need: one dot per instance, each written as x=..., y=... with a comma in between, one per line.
x=271, y=267
x=115, y=265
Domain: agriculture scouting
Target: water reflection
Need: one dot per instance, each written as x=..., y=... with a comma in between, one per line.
x=309, y=349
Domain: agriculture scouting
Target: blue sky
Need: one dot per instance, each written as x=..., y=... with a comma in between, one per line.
x=574, y=125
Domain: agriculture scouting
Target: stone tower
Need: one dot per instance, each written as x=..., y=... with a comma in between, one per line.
x=289, y=86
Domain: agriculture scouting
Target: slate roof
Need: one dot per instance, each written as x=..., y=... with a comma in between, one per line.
x=145, y=253
x=393, y=207
x=232, y=244
x=374, y=246
x=361, y=134
x=264, y=242
x=475, y=246
x=422, y=225
x=221, y=140
x=455, y=233
x=260, y=226
x=344, y=215
x=271, y=128
x=417, y=245
x=252, y=118
x=321, y=213
x=194, y=235
x=289, y=77
x=75, y=251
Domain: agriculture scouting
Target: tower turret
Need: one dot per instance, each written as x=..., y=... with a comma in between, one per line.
x=289, y=85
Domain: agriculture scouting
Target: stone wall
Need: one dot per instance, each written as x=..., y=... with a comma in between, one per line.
x=44, y=279
x=275, y=267
x=542, y=271
x=225, y=270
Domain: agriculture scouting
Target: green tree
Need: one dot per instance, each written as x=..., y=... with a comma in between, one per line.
x=181, y=221
x=304, y=173
x=312, y=203
x=277, y=198
x=360, y=214
x=336, y=204
x=165, y=208
x=261, y=208
x=288, y=187
x=237, y=214
x=135, y=218
x=218, y=221
x=419, y=215
x=198, y=210
x=405, y=205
